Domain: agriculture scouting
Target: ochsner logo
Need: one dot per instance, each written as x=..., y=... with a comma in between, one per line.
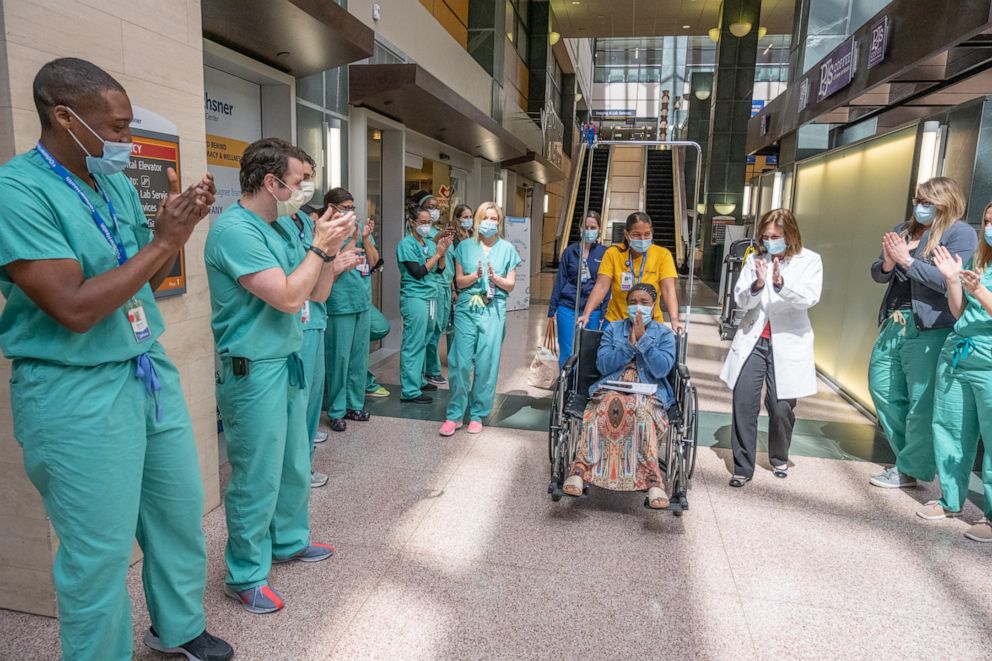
x=215, y=105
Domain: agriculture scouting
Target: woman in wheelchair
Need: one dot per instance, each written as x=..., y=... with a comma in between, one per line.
x=621, y=430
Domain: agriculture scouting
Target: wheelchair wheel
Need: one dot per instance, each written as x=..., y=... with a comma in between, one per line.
x=692, y=431
x=555, y=423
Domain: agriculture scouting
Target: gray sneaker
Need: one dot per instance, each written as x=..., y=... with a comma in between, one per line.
x=317, y=479
x=893, y=479
x=320, y=437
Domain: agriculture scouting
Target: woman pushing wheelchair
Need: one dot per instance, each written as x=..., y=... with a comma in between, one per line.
x=623, y=425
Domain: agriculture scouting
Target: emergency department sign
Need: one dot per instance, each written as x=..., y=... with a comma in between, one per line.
x=155, y=149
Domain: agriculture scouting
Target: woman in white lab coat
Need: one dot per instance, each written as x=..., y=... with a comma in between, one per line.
x=774, y=345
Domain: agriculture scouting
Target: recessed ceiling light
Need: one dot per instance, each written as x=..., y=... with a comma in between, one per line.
x=576, y=2
x=686, y=27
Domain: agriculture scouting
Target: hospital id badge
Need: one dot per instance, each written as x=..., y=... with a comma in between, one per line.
x=138, y=320
x=626, y=281
x=363, y=268
x=585, y=271
x=305, y=312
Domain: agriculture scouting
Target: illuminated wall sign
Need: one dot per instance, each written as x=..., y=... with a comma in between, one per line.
x=879, y=41
x=837, y=70
x=155, y=149
x=624, y=112
x=756, y=106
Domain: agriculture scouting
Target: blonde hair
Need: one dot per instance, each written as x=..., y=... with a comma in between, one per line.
x=480, y=215
x=948, y=198
x=783, y=219
x=983, y=256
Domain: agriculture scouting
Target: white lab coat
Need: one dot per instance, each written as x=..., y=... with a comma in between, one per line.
x=792, y=334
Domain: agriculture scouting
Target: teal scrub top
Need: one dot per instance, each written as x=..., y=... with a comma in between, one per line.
x=975, y=321
x=352, y=292
x=443, y=278
x=41, y=217
x=502, y=256
x=303, y=238
x=241, y=243
x=410, y=250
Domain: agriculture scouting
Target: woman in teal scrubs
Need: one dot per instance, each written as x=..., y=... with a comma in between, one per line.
x=418, y=257
x=962, y=407
x=484, y=275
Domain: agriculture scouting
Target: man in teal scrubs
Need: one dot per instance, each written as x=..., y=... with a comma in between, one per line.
x=79, y=264
x=348, y=318
x=259, y=282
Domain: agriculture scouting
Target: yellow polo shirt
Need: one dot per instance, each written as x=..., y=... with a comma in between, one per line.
x=659, y=266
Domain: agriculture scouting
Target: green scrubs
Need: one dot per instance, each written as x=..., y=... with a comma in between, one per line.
x=901, y=381
x=346, y=341
x=264, y=411
x=313, y=318
x=378, y=329
x=418, y=305
x=442, y=280
x=118, y=471
x=963, y=404
x=480, y=326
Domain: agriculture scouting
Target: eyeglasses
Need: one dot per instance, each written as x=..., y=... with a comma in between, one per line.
x=923, y=201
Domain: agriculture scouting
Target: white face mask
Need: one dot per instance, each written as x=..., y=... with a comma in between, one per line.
x=308, y=187
x=424, y=230
x=297, y=198
x=435, y=214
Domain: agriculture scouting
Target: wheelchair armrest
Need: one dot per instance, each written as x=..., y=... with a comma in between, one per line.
x=570, y=363
x=682, y=370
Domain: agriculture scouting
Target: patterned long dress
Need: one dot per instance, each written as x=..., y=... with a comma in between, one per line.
x=619, y=450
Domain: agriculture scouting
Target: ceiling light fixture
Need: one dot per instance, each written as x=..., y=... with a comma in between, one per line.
x=740, y=29
x=724, y=208
x=714, y=34
x=554, y=37
x=702, y=94
x=762, y=31
x=686, y=27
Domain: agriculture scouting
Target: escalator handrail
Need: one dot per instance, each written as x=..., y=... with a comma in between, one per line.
x=568, y=210
x=678, y=181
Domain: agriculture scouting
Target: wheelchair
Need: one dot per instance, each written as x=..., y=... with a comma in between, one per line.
x=677, y=459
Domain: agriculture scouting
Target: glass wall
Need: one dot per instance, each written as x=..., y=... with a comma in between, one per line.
x=831, y=22
x=322, y=126
x=844, y=202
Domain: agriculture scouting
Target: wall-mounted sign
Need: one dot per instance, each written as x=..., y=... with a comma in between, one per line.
x=837, y=70
x=719, y=230
x=756, y=106
x=879, y=41
x=804, y=90
x=155, y=149
x=613, y=112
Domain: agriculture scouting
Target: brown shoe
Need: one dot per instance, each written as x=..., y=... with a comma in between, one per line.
x=934, y=511
x=980, y=532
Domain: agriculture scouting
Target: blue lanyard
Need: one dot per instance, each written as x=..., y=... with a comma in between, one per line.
x=115, y=243
x=630, y=263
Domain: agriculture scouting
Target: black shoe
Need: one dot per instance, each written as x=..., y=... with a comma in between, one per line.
x=428, y=387
x=419, y=399
x=338, y=424
x=359, y=416
x=202, y=648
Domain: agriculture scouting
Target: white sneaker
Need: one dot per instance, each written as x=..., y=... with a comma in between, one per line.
x=317, y=479
x=320, y=437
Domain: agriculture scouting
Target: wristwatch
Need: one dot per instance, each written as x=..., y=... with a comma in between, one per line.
x=320, y=253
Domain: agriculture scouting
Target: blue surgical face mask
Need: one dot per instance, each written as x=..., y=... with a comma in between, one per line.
x=423, y=230
x=116, y=155
x=466, y=223
x=590, y=235
x=925, y=214
x=775, y=246
x=488, y=228
x=640, y=245
x=988, y=235
x=645, y=311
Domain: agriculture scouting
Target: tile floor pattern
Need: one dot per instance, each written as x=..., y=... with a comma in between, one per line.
x=451, y=549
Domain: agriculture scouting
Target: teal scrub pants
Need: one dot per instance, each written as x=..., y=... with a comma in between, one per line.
x=480, y=332
x=962, y=411
x=901, y=375
x=433, y=363
x=113, y=475
x=418, y=326
x=312, y=354
x=346, y=344
x=378, y=329
x=268, y=495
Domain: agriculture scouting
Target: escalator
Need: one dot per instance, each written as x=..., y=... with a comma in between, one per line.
x=597, y=192
x=659, y=197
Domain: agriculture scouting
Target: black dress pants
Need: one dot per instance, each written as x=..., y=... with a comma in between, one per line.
x=759, y=368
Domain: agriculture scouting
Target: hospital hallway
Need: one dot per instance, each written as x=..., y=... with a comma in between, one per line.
x=450, y=548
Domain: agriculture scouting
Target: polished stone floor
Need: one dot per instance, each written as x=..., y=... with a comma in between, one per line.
x=451, y=549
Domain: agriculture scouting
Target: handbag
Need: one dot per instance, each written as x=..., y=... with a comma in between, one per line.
x=544, y=367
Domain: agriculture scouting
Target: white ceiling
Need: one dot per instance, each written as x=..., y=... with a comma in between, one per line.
x=647, y=18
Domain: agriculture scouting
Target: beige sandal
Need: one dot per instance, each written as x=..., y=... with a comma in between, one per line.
x=573, y=485
x=657, y=498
